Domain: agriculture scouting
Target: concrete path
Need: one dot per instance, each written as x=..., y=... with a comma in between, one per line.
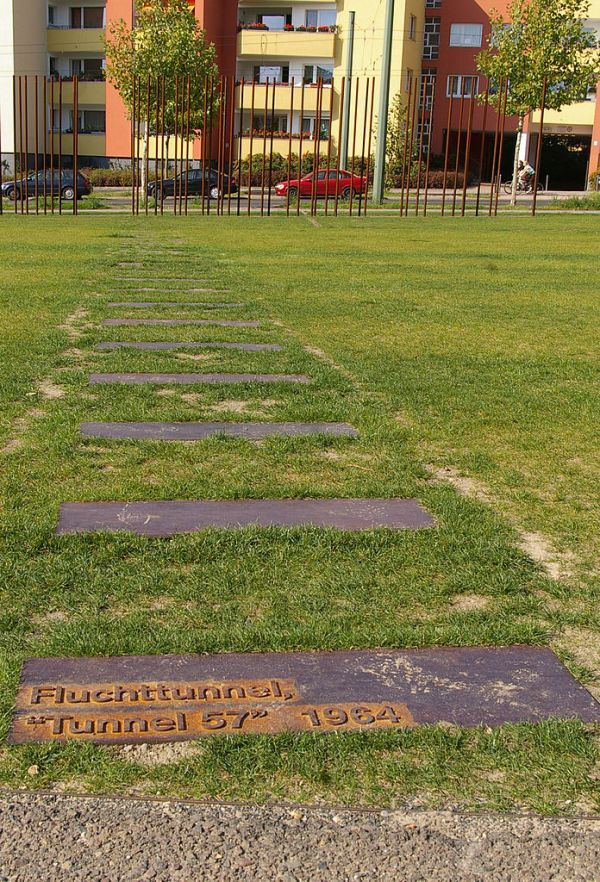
x=46, y=838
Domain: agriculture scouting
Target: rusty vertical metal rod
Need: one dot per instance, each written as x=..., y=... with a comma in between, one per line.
x=75, y=142
x=26, y=92
x=223, y=108
x=264, y=150
x=162, y=143
x=60, y=142
x=329, y=146
x=15, y=128
x=405, y=148
x=133, y=148
x=147, y=150
x=538, y=152
x=316, y=152
x=467, y=152
x=482, y=148
x=421, y=115
x=175, y=137
x=184, y=153
x=289, y=163
x=138, y=145
x=363, y=147
x=36, y=146
x=501, y=145
x=157, y=128
x=411, y=141
x=300, y=147
x=368, y=170
x=1, y=167
x=271, y=147
x=231, y=142
x=447, y=150
x=51, y=84
x=211, y=115
x=458, y=144
x=240, y=147
x=45, y=139
x=188, y=127
x=495, y=151
x=429, y=142
x=250, y=156
x=204, y=141
x=353, y=163
x=340, y=131
x=21, y=142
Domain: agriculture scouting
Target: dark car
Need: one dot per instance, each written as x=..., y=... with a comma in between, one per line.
x=215, y=185
x=53, y=182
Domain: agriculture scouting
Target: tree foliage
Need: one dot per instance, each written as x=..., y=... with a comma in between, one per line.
x=541, y=40
x=166, y=43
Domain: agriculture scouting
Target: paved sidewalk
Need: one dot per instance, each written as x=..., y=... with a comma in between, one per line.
x=46, y=838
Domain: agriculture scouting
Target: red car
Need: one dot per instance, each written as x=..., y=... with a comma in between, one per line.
x=328, y=183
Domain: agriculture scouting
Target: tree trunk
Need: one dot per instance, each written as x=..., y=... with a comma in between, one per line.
x=513, y=195
x=144, y=157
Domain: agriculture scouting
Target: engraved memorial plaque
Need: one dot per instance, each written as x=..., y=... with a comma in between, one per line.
x=133, y=699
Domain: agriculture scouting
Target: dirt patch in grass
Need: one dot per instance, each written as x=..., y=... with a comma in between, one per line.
x=462, y=484
x=74, y=323
x=469, y=602
x=50, y=390
x=19, y=428
x=583, y=645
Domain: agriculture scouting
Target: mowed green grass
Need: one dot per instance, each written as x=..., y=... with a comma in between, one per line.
x=463, y=344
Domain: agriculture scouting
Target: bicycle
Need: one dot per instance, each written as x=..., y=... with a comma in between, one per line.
x=523, y=188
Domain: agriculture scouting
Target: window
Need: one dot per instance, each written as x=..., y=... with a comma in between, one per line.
x=457, y=86
x=320, y=18
x=466, y=34
x=431, y=42
x=264, y=74
x=90, y=121
x=412, y=28
x=427, y=88
x=52, y=67
x=273, y=124
x=314, y=72
x=51, y=16
x=273, y=22
x=433, y=4
x=87, y=17
x=408, y=81
x=90, y=69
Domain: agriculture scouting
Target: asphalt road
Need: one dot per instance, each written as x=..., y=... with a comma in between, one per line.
x=46, y=838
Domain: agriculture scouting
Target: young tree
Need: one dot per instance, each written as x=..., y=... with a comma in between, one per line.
x=395, y=143
x=166, y=43
x=540, y=41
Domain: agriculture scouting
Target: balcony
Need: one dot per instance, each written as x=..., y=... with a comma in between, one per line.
x=75, y=40
x=92, y=93
x=283, y=98
x=285, y=44
x=576, y=119
x=87, y=145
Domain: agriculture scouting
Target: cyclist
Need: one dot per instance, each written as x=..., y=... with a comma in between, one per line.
x=526, y=173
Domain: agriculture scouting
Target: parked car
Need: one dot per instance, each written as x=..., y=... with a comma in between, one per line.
x=214, y=185
x=329, y=182
x=55, y=182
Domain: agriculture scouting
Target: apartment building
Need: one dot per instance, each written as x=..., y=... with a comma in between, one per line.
x=292, y=43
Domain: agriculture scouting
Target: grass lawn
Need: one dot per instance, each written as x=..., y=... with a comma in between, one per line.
x=465, y=351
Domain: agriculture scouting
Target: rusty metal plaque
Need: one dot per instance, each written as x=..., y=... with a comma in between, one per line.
x=191, y=379
x=198, y=431
x=170, y=304
x=171, y=323
x=244, y=347
x=163, y=519
x=133, y=699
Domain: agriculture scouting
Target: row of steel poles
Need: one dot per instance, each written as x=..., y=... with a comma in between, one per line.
x=225, y=151
x=41, y=151
x=221, y=159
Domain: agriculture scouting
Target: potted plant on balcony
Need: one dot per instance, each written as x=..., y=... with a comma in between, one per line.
x=324, y=29
x=311, y=29
x=301, y=28
x=288, y=27
x=258, y=26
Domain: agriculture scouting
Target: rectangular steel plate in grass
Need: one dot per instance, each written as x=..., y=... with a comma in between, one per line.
x=244, y=347
x=163, y=519
x=169, y=304
x=133, y=699
x=172, y=323
x=198, y=431
x=192, y=379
